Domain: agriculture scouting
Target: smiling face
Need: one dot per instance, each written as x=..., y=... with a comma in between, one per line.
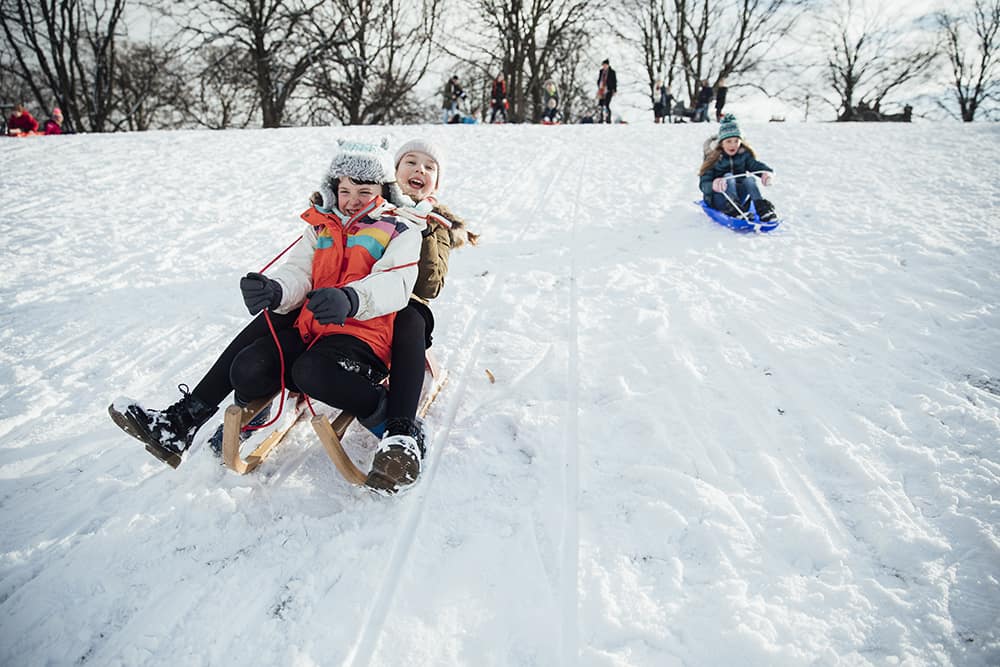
x=417, y=175
x=730, y=145
x=352, y=197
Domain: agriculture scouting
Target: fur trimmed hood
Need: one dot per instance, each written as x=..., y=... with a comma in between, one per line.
x=457, y=228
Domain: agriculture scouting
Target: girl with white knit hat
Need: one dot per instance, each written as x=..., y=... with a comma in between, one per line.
x=397, y=462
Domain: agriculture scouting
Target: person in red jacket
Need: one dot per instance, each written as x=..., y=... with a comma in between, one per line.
x=21, y=122
x=498, y=99
x=54, y=125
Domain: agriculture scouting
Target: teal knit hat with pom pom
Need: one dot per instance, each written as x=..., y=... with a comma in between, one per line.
x=728, y=127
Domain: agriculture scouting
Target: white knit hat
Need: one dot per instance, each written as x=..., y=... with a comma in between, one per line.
x=423, y=146
x=361, y=162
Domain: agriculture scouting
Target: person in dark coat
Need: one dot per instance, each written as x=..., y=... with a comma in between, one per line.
x=607, y=86
x=704, y=99
x=450, y=96
x=663, y=103
x=498, y=99
x=720, y=97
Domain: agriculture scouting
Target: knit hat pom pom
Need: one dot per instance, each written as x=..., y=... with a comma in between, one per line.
x=728, y=127
x=362, y=162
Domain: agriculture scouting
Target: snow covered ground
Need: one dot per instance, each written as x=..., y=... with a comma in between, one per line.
x=701, y=448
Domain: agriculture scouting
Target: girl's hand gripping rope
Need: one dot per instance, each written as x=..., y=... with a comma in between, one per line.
x=260, y=292
x=333, y=305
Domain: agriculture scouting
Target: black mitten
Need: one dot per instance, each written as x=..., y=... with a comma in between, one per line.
x=333, y=305
x=260, y=292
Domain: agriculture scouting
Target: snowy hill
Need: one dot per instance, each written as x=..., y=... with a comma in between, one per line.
x=701, y=448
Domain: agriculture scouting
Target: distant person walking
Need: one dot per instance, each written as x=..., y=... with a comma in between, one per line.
x=701, y=104
x=450, y=96
x=607, y=86
x=662, y=103
x=498, y=99
x=720, y=97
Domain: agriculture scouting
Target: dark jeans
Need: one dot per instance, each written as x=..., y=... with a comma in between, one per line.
x=498, y=109
x=739, y=190
x=604, y=108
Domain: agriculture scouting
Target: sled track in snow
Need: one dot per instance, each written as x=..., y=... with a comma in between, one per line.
x=362, y=651
x=569, y=543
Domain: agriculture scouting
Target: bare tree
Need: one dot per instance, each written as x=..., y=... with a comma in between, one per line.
x=221, y=91
x=725, y=38
x=370, y=79
x=974, y=70
x=526, y=40
x=149, y=88
x=646, y=27
x=869, y=58
x=66, y=50
x=283, y=40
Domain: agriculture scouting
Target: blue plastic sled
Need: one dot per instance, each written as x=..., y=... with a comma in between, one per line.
x=739, y=224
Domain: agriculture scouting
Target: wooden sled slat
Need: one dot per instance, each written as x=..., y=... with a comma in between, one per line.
x=330, y=435
x=235, y=419
x=440, y=379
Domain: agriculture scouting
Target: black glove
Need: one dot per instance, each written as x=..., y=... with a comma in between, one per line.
x=333, y=305
x=260, y=292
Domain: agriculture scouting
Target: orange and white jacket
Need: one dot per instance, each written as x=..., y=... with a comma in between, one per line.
x=375, y=252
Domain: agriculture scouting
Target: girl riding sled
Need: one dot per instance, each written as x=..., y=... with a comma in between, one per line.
x=418, y=169
x=354, y=267
x=726, y=180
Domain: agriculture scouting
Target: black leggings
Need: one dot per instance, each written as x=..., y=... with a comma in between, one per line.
x=327, y=371
x=411, y=337
x=410, y=340
x=216, y=384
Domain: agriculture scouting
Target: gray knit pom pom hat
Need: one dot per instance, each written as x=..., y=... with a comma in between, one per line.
x=363, y=163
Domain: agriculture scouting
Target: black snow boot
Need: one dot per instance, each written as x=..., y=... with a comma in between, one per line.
x=167, y=433
x=261, y=418
x=398, y=460
x=733, y=211
x=765, y=210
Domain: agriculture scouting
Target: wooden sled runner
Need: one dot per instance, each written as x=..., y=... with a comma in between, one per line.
x=329, y=433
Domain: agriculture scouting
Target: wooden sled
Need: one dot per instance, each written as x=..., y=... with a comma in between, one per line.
x=329, y=433
x=237, y=417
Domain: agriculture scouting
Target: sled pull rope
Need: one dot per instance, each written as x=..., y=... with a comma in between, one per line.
x=277, y=344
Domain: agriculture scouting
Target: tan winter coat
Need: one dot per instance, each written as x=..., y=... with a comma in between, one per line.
x=436, y=250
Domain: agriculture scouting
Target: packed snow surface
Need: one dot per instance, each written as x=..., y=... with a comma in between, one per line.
x=700, y=448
